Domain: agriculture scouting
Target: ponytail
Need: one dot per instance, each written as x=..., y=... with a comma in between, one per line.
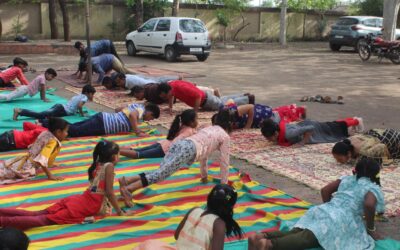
x=368, y=168
x=174, y=129
x=186, y=118
x=220, y=201
x=343, y=148
x=102, y=153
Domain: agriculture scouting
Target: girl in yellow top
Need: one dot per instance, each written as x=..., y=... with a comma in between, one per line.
x=41, y=154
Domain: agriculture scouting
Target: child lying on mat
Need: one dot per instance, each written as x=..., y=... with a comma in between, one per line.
x=15, y=72
x=128, y=81
x=59, y=110
x=338, y=223
x=41, y=154
x=208, y=226
x=38, y=84
x=74, y=209
x=197, y=147
x=103, y=64
x=124, y=120
x=196, y=98
x=310, y=132
x=184, y=125
x=252, y=115
x=15, y=139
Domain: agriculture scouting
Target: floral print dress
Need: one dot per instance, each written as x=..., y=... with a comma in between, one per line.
x=42, y=152
x=338, y=224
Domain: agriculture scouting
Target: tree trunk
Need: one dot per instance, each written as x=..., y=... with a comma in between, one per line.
x=139, y=13
x=282, y=27
x=89, y=58
x=64, y=10
x=53, y=19
x=175, y=8
x=390, y=12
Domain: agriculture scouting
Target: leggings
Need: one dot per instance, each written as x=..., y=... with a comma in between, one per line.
x=181, y=153
x=295, y=239
x=22, y=219
x=350, y=122
x=19, y=92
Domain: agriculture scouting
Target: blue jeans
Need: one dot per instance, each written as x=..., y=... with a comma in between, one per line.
x=152, y=151
x=55, y=111
x=92, y=126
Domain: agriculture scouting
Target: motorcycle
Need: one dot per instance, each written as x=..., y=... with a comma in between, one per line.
x=377, y=46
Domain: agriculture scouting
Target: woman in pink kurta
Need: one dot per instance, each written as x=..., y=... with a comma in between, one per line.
x=197, y=147
x=184, y=125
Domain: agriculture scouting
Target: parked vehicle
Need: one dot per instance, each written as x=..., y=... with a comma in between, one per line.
x=172, y=37
x=373, y=45
x=350, y=30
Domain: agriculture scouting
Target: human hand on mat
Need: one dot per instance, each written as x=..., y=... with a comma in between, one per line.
x=56, y=178
x=204, y=180
x=46, y=100
x=141, y=134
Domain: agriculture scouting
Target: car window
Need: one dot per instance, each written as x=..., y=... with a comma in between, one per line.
x=369, y=22
x=379, y=22
x=347, y=21
x=163, y=25
x=191, y=26
x=149, y=25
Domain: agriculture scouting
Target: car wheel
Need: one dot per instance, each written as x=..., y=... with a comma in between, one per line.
x=131, y=49
x=202, y=58
x=335, y=47
x=170, y=54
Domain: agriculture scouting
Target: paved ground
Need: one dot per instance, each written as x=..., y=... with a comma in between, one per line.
x=282, y=76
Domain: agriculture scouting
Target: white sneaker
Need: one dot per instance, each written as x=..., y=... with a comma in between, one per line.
x=360, y=127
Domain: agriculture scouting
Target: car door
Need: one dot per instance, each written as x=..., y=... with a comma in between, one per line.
x=370, y=25
x=143, y=41
x=162, y=35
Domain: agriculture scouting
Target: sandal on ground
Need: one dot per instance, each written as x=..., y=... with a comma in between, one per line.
x=304, y=99
x=340, y=100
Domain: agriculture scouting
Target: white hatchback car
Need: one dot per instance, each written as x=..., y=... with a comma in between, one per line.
x=172, y=37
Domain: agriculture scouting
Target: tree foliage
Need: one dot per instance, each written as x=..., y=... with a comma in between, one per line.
x=369, y=7
x=310, y=4
x=151, y=8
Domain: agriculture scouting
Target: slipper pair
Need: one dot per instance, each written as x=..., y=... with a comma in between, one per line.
x=321, y=99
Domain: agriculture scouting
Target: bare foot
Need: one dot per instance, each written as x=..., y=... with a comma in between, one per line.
x=204, y=180
x=127, y=196
x=16, y=114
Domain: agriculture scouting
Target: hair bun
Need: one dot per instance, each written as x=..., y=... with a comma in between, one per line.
x=347, y=141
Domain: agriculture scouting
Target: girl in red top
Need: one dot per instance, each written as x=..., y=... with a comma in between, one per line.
x=15, y=71
x=76, y=208
x=15, y=139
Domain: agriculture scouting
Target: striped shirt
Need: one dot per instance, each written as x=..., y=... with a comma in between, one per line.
x=119, y=122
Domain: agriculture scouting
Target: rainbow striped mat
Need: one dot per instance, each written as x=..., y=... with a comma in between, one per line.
x=158, y=208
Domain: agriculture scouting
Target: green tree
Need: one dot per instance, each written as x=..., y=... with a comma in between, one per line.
x=268, y=3
x=150, y=9
x=227, y=10
x=369, y=7
x=318, y=5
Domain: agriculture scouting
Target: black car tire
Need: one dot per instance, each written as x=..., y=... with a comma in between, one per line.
x=202, y=58
x=170, y=54
x=335, y=47
x=131, y=49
